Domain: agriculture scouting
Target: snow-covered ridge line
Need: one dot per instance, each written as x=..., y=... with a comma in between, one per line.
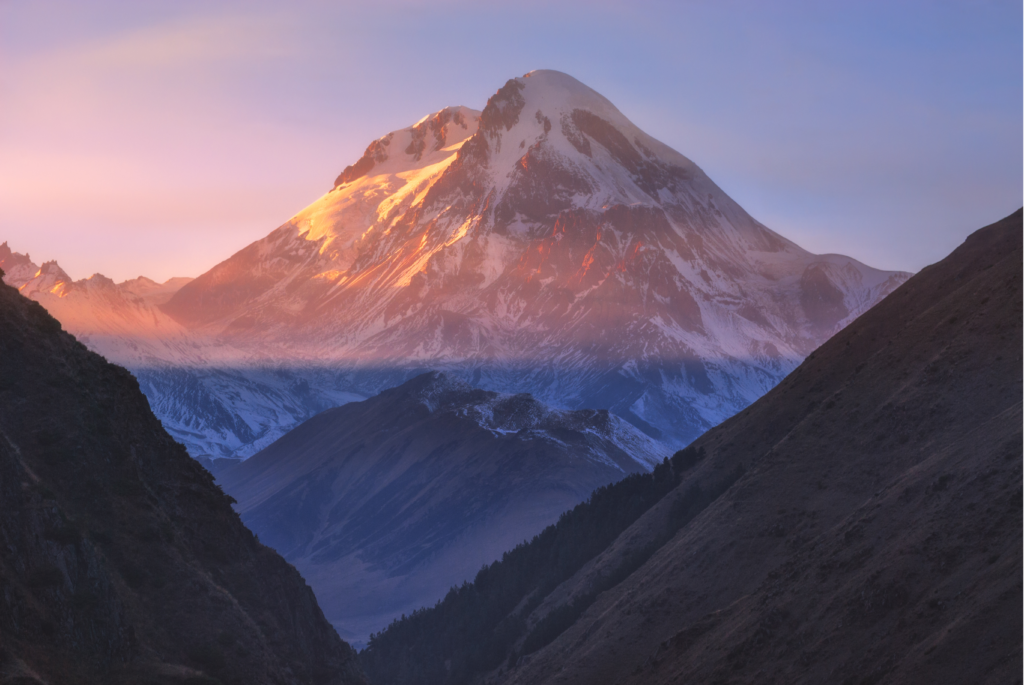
x=521, y=414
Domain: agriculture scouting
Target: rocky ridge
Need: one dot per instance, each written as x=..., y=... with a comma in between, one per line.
x=217, y=411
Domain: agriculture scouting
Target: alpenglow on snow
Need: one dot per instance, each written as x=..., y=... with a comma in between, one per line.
x=544, y=245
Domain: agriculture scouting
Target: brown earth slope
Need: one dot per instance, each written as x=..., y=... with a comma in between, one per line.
x=875, y=536
x=120, y=560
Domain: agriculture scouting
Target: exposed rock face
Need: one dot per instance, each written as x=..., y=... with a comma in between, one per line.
x=385, y=504
x=865, y=524
x=120, y=560
x=18, y=268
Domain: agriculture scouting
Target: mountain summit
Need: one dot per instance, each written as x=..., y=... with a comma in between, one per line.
x=543, y=245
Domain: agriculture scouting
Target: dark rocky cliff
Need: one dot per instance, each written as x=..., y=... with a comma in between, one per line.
x=120, y=560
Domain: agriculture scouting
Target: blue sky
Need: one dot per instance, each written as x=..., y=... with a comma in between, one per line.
x=158, y=138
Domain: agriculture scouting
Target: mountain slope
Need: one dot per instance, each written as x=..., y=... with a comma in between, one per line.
x=873, y=534
x=120, y=560
x=506, y=245
x=876, y=535
x=385, y=504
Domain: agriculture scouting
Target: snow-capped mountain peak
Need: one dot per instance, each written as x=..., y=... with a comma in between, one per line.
x=49, y=278
x=552, y=112
x=544, y=244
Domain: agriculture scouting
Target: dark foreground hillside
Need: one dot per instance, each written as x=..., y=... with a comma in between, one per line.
x=864, y=522
x=120, y=560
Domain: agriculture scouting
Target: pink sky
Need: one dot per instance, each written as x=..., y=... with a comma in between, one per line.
x=160, y=140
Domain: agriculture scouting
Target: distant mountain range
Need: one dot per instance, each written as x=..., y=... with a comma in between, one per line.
x=543, y=245
x=383, y=505
x=216, y=409
x=861, y=523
